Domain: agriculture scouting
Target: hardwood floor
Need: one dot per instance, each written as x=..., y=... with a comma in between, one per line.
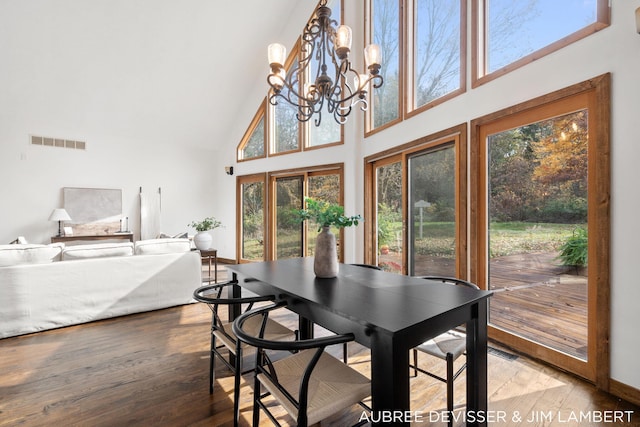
x=151, y=369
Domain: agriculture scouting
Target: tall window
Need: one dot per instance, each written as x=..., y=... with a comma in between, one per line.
x=285, y=136
x=435, y=43
x=431, y=49
x=385, y=102
x=251, y=233
x=509, y=34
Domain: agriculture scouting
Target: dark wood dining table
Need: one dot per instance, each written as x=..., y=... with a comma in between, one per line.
x=388, y=313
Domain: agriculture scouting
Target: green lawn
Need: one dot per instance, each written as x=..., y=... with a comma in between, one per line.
x=506, y=238
x=510, y=238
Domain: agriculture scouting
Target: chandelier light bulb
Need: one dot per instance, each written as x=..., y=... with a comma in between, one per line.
x=277, y=54
x=343, y=41
x=373, y=57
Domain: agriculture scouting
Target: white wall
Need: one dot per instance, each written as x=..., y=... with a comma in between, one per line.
x=111, y=74
x=616, y=50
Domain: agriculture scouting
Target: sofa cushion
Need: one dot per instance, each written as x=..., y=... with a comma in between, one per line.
x=29, y=254
x=162, y=246
x=97, y=250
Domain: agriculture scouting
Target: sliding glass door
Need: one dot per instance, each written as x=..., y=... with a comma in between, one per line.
x=289, y=196
x=419, y=221
x=290, y=238
x=432, y=207
x=251, y=218
x=542, y=226
x=389, y=214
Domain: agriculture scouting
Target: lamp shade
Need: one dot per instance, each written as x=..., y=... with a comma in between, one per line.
x=59, y=215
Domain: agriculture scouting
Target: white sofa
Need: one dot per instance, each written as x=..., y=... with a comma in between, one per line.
x=51, y=286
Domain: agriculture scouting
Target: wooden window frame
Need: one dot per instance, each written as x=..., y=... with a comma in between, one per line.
x=598, y=93
x=410, y=59
x=240, y=181
x=270, y=241
x=456, y=135
x=369, y=128
x=479, y=75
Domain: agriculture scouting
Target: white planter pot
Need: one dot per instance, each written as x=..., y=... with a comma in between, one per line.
x=203, y=240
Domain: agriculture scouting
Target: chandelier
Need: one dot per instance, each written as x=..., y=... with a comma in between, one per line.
x=323, y=79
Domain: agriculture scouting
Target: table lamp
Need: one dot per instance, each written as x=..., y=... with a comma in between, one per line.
x=59, y=215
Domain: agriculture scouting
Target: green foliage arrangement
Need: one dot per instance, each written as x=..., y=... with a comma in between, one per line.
x=326, y=214
x=573, y=252
x=209, y=223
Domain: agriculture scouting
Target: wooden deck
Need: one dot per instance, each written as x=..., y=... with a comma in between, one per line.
x=540, y=301
x=534, y=297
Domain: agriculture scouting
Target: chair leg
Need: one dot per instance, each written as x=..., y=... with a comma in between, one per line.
x=450, y=387
x=256, y=398
x=236, y=386
x=212, y=367
x=345, y=353
x=415, y=362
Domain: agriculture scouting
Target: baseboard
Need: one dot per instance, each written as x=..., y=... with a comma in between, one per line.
x=624, y=391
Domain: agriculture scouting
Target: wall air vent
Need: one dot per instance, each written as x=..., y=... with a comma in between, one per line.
x=57, y=142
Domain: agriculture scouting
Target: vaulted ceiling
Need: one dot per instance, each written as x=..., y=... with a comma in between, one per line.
x=141, y=71
x=215, y=61
x=233, y=59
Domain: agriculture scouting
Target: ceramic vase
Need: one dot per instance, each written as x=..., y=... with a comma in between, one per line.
x=325, y=262
x=203, y=240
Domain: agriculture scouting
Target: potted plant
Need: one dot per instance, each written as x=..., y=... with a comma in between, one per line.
x=325, y=215
x=203, y=239
x=573, y=252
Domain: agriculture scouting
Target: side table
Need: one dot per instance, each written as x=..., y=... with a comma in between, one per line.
x=115, y=236
x=211, y=256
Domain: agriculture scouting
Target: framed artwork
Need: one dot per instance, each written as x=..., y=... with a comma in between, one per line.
x=93, y=211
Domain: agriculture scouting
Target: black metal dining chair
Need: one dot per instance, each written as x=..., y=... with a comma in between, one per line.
x=222, y=330
x=310, y=384
x=448, y=346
